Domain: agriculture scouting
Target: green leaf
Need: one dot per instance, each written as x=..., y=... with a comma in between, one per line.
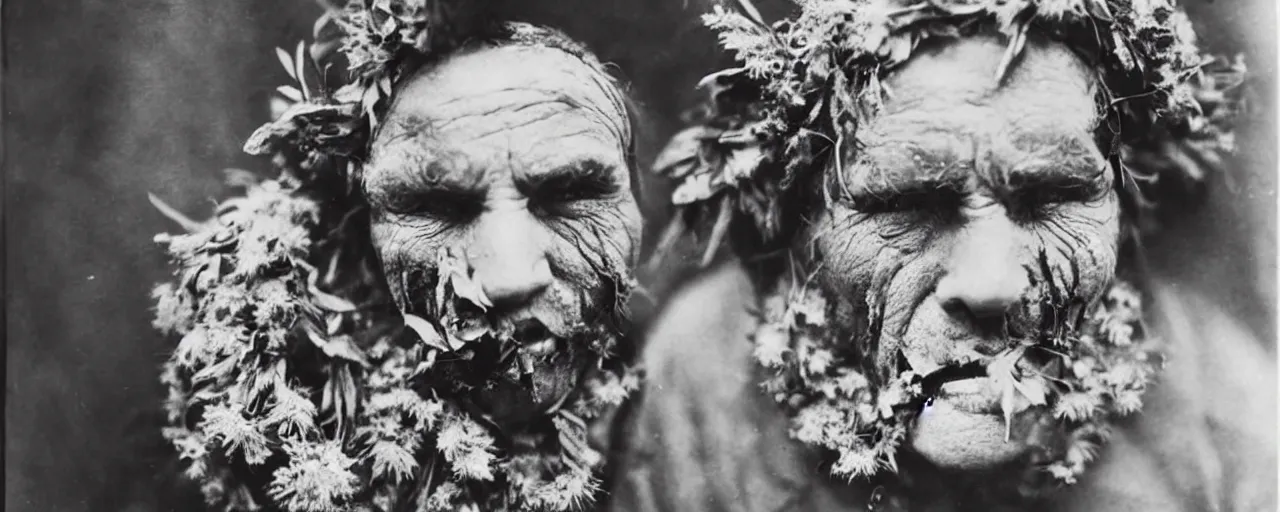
x=1033, y=389
x=469, y=289
x=290, y=92
x=323, y=21
x=695, y=188
x=299, y=71
x=1001, y=372
x=322, y=299
x=287, y=62
x=682, y=148
x=1006, y=406
x=455, y=271
x=341, y=346
x=426, y=332
x=742, y=164
x=173, y=214
x=1018, y=41
x=384, y=85
x=1099, y=9
x=718, y=230
x=752, y=12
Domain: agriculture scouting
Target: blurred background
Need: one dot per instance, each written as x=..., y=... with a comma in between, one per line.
x=105, y=101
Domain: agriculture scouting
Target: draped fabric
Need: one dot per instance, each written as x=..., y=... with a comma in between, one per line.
x=705, y=438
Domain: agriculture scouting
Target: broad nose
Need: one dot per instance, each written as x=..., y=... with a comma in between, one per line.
x=509, y=254
x=984, y=275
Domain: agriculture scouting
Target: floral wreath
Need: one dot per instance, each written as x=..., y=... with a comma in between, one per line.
x=805, y=84
x=1088, y=377
x=297, y=384
x=802, y=88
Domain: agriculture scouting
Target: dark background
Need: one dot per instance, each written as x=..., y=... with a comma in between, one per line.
x=105, y=101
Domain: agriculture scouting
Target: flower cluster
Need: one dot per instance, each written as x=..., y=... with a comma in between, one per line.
x=341, y=403
x=1084, y=379
x=805, y=84
x=297, y=384
x=325, y=129
x=834, y=404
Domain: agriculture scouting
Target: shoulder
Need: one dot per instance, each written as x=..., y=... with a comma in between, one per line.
x=1220, y=376
x=701, y=435
x=710, y=320
x=1206, y=436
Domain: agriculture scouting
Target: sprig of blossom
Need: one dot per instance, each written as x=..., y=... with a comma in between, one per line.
x=234, y=395
x=290, y=357
x=805, y=84
x=318, y=478
x=834, y=405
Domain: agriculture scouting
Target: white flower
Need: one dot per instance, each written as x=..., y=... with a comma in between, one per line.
x=569, y=491
x=859, y=461
x=442, y=499
x=173, y=309
x=818, y=362
x=292, y=412
x=467, y=447
x=392, y=461
x=1076, y=406
x=227, y=422
x=772, y=343
x=317, y=478
x=1128, y=402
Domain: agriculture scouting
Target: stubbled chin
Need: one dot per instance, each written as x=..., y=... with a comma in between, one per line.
x=954, y=439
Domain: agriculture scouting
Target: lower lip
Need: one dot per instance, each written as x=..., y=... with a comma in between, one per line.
x=974, y=396
x=542, y=348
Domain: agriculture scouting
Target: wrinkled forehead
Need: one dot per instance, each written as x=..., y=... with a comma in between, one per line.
x=516, y=97
x=952, y=86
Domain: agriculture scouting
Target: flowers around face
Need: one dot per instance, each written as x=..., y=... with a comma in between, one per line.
x=1099, y=374
x=296, y=384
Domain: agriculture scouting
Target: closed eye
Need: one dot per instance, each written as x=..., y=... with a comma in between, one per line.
x=435, y=192
x=446, y=205
x=923, y=199
x=583, y=181
x=1034, y=198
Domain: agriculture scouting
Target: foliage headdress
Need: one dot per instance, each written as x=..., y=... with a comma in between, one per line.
x=748, y=171
x=805, y=84
x=297, y=384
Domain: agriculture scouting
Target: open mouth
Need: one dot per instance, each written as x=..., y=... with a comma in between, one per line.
x=533, y=348
x=978, y=386
x=525, y=368
x=932, y=383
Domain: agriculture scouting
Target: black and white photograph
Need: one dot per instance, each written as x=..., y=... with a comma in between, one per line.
x=640, y=255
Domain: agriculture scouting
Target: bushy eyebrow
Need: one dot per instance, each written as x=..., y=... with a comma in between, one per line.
x=1064, y=164
x=427, y=182
x=1070, y=173
x=1061, y=164
x=907, y=169
x=586, y=177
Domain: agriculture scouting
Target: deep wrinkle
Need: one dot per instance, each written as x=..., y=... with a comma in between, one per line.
x=520, y=141
x=970, y=180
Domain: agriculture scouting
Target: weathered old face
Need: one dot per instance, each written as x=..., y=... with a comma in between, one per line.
x=515, y=158
x=967, y=198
